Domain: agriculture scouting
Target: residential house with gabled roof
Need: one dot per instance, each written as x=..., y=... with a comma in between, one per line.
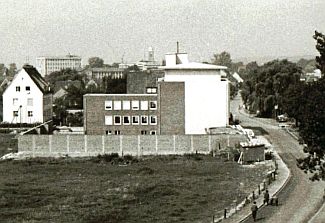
x=27, y=99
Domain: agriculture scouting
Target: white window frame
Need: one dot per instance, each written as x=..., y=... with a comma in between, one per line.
x=17, y=88
x=151, y=90
x=15, y=101
x=126, y=105
x=135, y=105
x=153, y=116
x=108, y=120
x=144, y=116
x=156, y=104
x=127, y=116
x=109, y=105
x=137, y=117
x=108, y=132
x=144, y=132
x=30, y=114
x=153, y=132
x=115, y=116
x=117, y=105
x=144, y=105
x=117, y=132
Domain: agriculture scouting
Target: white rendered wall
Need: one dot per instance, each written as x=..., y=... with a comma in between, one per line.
x=206, y=99
x=22, y=79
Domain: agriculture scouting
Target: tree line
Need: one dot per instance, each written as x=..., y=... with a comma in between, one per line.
x=275, y=88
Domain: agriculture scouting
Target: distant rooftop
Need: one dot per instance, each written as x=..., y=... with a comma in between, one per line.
x=179, y=61
x=69, y=56
x=37, y=78
x=103, y=69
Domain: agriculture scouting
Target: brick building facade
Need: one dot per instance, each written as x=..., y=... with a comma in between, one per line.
x=136, y=114
x=181, y=98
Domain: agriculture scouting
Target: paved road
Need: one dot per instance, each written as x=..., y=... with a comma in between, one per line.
x=301, y=198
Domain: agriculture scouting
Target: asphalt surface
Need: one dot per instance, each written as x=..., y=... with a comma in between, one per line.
x=301, y=198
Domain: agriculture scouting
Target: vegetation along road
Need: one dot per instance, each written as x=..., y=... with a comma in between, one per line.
x=301, y=198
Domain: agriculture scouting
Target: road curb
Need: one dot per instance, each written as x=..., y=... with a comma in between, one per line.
x=277, y=190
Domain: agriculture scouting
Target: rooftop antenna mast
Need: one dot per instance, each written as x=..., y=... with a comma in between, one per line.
x=123, y=58
x=177, y=47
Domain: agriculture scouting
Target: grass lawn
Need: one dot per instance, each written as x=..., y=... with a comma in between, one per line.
x=152, y=189
x=8, y=144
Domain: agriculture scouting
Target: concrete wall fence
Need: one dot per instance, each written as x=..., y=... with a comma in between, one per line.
x=136, y=145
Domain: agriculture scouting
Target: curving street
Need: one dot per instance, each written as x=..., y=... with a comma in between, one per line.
x=301, y=198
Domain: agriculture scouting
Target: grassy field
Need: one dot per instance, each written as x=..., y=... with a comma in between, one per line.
x=7, y=144
x=101, y=189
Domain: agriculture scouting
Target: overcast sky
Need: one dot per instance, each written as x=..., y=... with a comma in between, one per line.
x=113, y=28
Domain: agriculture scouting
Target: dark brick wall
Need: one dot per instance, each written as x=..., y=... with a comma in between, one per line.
x=172, y=108
x=47, y=107
x=94, y=115
x=137, y=82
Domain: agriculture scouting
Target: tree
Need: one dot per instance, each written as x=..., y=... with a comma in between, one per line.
x=12, y=69
x=311, y=114
x=265, y=86
x=320, y=46
x=2, y=69
x=95, y=62
x=223, y=59
x=64, y=75
x=312, y=128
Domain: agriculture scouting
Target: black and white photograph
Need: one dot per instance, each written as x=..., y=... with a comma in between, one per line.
x=142, y=111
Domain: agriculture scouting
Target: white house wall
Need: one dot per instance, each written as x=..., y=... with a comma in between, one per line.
x=22, y=79
x=206, y=99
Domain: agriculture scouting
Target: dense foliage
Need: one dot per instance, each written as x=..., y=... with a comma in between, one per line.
x=309, y=105
x=307, y=101
x=320, y=46
x=265, y=86
x=275, y=88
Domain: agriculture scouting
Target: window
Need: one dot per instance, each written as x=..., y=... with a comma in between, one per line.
x=108, y=132
x=117, y=132
x=144, y=120
x=143, y=132
x=126, y=120
x=144, y=105
x=29, y=102
x=151, y=90
x=27, y=88
x=126, y=105
x=135, y=120
x=18, y=88
x=30, y=113
x=153, y=132
x=15, y=101
x=135, y=105
x=153, y=105
x=108, y=120
x=117, y=120
x=108, y=105
x=15, y=113
x=117, y=105
x=153, y=120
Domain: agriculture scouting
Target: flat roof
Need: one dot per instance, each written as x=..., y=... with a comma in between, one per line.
x=123, y=95
x=60, y=57
x=194, y=66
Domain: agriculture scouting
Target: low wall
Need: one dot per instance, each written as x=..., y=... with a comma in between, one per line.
x=137, y=145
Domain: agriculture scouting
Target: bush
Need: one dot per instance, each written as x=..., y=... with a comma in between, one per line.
x=268, y=156
x=193, y=156
x=114, y=158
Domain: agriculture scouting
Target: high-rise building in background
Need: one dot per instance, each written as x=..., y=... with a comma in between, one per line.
x=48, y=64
